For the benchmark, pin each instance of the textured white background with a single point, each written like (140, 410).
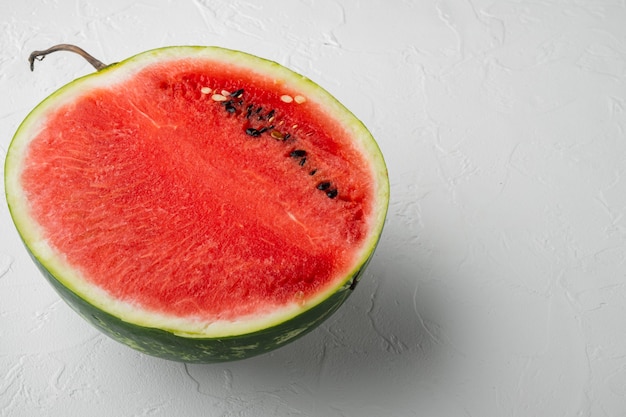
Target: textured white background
(499, 285)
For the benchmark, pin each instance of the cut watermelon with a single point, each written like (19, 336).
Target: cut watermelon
(196, 203)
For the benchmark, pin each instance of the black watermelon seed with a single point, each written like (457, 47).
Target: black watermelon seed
(249, 111)
(270, 114)
(332, 193)
(253, 132)
(230, 108)
(287, 136)
(262, 130)
(323, 185)
(313, 172)
(237, 93)
(302, 161)
(297, 153)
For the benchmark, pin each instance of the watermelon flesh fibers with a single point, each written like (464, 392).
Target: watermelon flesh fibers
(200, 191)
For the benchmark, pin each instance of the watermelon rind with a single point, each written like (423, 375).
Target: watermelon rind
(171, 337)
(169, 345)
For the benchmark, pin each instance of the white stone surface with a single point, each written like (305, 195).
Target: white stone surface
(499, 287)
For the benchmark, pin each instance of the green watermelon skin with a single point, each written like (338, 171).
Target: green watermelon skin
(169, 346)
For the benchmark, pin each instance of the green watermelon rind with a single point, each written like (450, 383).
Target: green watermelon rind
(167, 345)
(156, 336)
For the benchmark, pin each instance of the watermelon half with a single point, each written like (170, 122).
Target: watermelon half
(198, 204)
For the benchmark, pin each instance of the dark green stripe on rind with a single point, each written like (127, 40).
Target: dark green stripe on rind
(166, 345)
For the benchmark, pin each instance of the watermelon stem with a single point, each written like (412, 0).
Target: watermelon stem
(39, 55)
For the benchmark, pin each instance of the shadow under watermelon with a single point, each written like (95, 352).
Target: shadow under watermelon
(383, 340)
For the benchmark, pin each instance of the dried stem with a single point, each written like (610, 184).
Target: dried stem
(39, 55)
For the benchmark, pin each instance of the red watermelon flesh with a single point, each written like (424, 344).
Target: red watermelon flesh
(171, 193)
